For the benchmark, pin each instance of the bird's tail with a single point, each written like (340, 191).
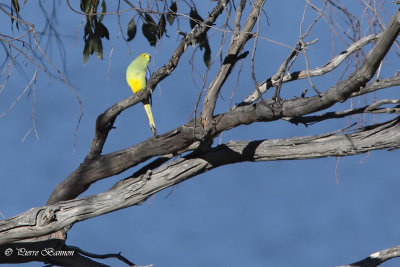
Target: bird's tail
(149, 114)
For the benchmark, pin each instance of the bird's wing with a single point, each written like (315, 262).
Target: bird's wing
(147, 75)
(147, 79)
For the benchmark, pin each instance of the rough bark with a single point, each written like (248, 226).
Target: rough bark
(134, 190)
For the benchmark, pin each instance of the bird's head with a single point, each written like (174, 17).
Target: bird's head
(140, 62)
(146, 56)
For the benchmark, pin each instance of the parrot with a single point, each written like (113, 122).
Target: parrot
(136, 77)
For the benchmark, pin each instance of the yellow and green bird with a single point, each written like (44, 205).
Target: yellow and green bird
(136, 76)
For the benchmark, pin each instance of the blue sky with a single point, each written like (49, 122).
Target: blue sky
(285, 213)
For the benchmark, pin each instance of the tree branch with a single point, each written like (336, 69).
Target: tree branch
(52, 251)
(236, 45)
(304, 74)
(377, 85)
(373, 108)
(376, 258)
(269, 109)
(133, 191)
(238, 16)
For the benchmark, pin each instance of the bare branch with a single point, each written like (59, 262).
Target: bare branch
(106, 256)
(56, 252)
(376, 258)
(269, 110)
(236, 45)
(133, 191)
(378, 85)
(373, 109)
(238, 16)
(331, 65)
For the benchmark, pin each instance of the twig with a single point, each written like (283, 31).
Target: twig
(373, 109)
(253, 54)
(319, 71)
(106, 256)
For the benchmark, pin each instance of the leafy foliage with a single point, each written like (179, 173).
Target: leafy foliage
(150, 30)
(153, 31)
(94, 29)
(14, 7)
(196, 19)
(131, 29)
(171, 13)
(161, 27)
(153, 28)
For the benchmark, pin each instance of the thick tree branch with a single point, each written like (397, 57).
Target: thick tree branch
(133, 191)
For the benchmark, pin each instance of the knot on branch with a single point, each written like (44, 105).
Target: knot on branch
(47, 216)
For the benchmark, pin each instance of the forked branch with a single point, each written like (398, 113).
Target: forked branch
(135, 190)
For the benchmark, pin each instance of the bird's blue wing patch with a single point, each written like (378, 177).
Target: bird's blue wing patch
(147, 75)
(147, 79)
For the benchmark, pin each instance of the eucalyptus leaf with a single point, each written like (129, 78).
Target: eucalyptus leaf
(103, 10)
(172, 13)
(150, 29)
(99, 48)
(131, 29)
(161, 27)
(150, 33)
(102, 30)
(195, 18)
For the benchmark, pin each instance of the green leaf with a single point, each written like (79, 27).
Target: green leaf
(102, 30)
(172, 13)
(207, 53)
(99, 48)
(92, 45)
(86, 51)
(149, 33)
(131, 29)
(89, 6)
(16, 6)
(195, 18)
(86, 5)
(161, 27)
(103, 10)
(150, 20)
(87, 29)
(149, 30)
